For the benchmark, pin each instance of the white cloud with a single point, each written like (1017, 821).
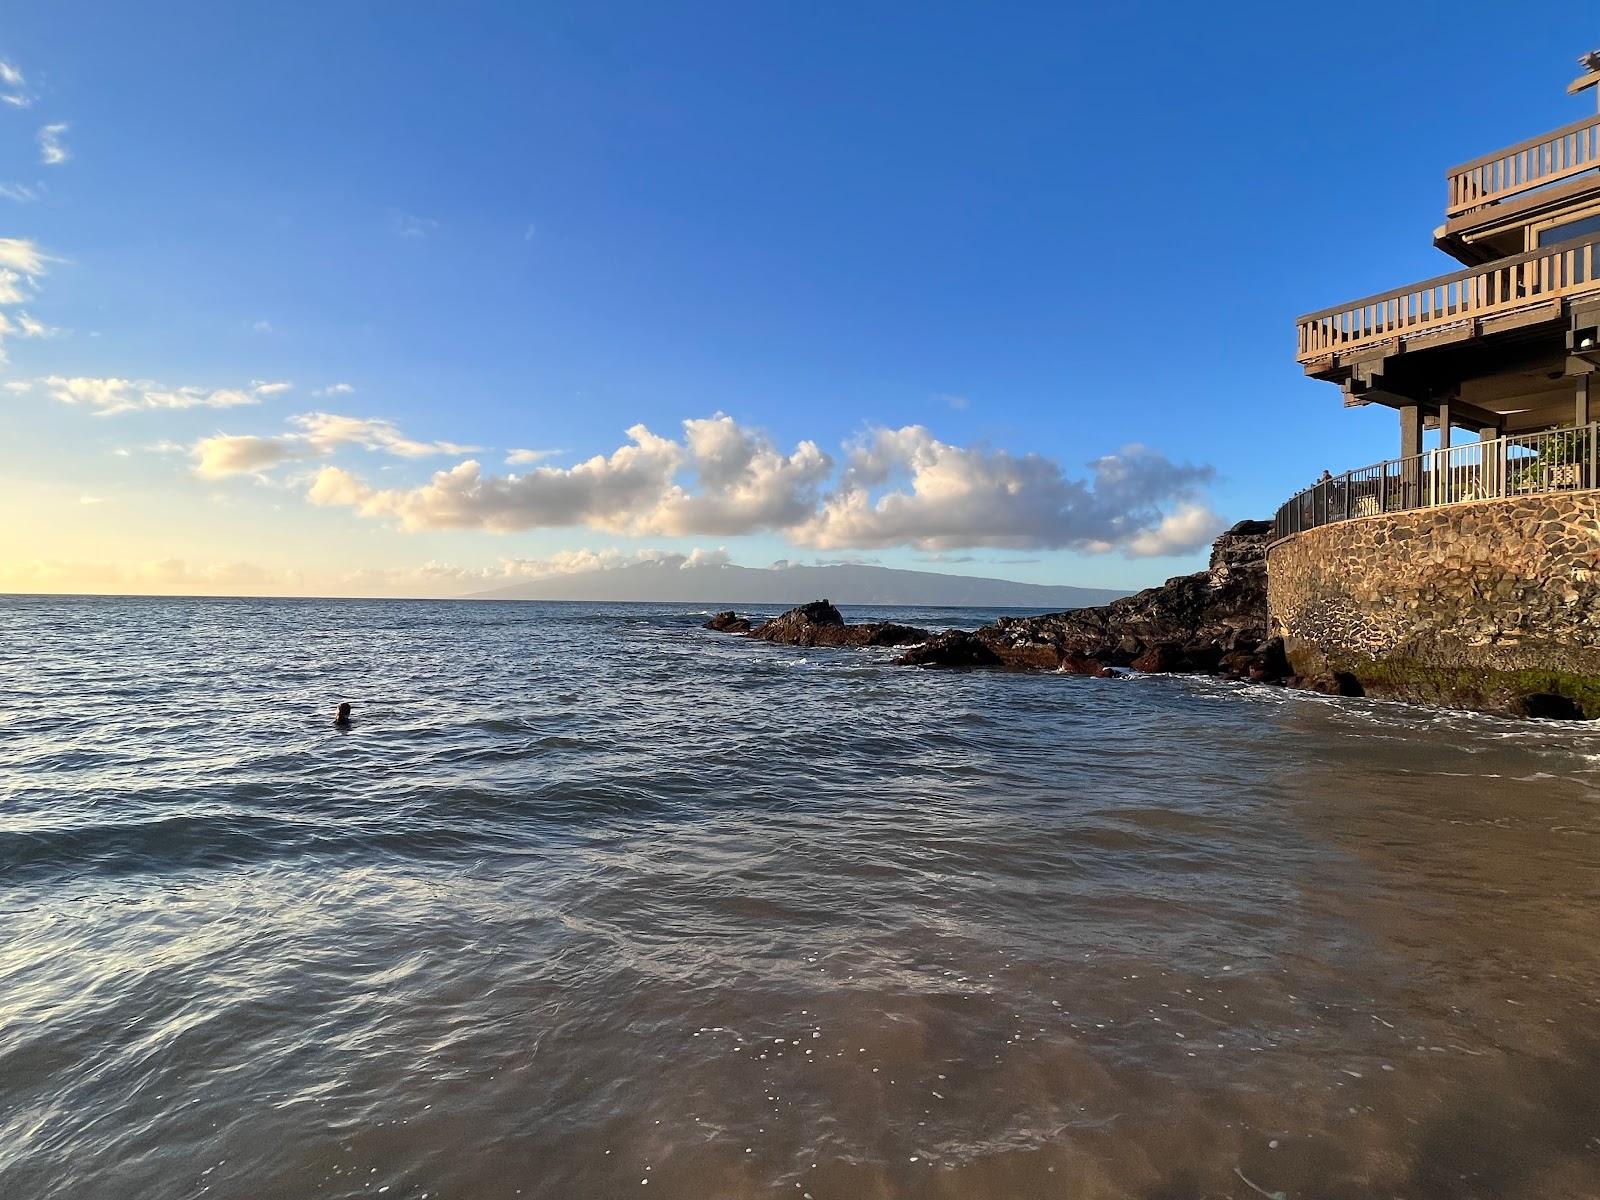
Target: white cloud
(1185, 529)
(21, 265)
(743, 484)
(262, 326)
(20, 254)
(957, 403)
(327, 430)
(262, 387)
(905, 487)
(111, 396)
(899, 487)
(240, 454)
(13, 88)
(603, 493)
(23, 325)
(317, 435)
(20, 192)
(29, 327)
(526, 458)
(334, 389)
(701, 557)
(51, 152)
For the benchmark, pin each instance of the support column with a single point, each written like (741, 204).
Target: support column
(1588, 454)
(1444, 425)
(1410, 446)
(1410, 430)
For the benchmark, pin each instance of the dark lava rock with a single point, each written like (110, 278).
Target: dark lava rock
(885, 633)
(1212, 621)
(1269, 664)
(954, 648)
(1160, 659)
(821, 624)
(1079, 664)
(728, 622)
(1189, 623)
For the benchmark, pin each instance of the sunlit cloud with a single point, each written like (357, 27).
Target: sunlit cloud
(316, 435)
(110, 396)
(526, 458)
(22, 264)
(899, 487)
(1187, 528)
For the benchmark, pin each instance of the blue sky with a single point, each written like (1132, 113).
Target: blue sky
(1054, 230)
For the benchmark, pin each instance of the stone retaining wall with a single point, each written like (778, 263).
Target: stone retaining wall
(1490, 605)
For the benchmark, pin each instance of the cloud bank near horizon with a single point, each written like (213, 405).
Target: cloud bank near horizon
(892, 487)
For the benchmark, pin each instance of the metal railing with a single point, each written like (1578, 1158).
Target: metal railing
(1535, 163)
(1497, 288)
(1520, 464)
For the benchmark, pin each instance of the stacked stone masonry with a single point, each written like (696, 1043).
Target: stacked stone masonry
(1489, 605)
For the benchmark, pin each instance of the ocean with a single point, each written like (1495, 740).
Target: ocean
(590, 902)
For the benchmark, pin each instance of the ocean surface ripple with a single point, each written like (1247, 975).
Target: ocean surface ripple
(590, 902)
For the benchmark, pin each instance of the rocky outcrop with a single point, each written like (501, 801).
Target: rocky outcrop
(953, 648)
(1214, 621)
(728, 622)
(821, 624)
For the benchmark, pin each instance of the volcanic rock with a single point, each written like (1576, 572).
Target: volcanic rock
(953, 648)
(1079, 664)
(1190, 623)
(1161, 659)
(728, 622)
(821, 624)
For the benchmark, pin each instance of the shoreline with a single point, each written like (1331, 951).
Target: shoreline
(1214, 623)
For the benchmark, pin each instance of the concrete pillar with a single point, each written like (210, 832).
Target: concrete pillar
(1410, 445)
(1444, 425)
(1581, 409)
(1410, 430)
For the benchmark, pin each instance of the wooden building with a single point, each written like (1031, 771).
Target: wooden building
(1509, 343)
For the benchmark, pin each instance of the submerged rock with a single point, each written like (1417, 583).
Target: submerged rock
(728, 622)
(821, 624)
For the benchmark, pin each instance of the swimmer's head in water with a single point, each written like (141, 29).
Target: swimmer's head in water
(344, 712)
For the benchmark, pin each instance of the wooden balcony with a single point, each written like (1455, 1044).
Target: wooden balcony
(1460, 305)
(1525, 167)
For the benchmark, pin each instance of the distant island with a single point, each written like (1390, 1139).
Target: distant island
(677, 579)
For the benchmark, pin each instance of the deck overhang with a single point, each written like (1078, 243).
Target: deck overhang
(1504, 341)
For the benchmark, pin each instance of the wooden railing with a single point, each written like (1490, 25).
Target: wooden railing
(1503, 286)
(1519, 464)
(1568, 151)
